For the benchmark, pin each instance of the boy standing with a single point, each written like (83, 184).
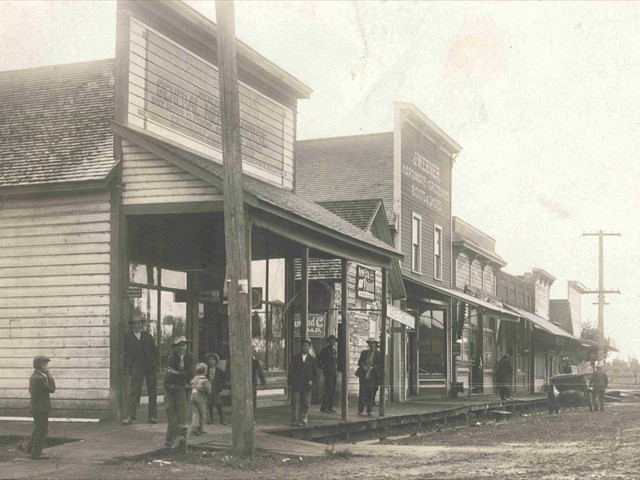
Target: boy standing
(217, 378)
(41, 384)
(302, 373)
(200, 391)
(177, 384)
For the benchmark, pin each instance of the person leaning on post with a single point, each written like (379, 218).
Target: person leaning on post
(41, 385)
(302, 372)
(177, 386)
(140, 363)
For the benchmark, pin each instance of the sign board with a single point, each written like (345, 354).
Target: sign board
(174, 94)
(456, 349)
(316, 325)
(133, 292)
(209, 296)
(365, 283)
(405, 318)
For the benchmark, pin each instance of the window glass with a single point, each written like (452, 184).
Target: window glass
(415, 244)
(147, 306)
(144, 274)
(432, 344)
(172, 324)
(267, 326)
(174, 279)
(437, 252)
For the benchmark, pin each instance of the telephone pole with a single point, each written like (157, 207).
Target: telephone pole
(601, 291)
(236, 234)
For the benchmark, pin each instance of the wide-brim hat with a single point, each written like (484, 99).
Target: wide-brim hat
(137, 317)
(306, 340)
(373, 340)
(212, 355)
(179, 340)
(332, 337)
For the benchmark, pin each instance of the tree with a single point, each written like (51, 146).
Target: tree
(589, 332)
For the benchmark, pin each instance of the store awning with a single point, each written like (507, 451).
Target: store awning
(498, 310)
(543, 324)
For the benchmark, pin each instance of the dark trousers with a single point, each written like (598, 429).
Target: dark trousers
(175, 405)
(39, 435)
(598, 400)
(214, 400)
(366, 392)
(329, 392)
(504, 391)
(138, 376)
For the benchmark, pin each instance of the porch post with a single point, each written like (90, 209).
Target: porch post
(383, 344)
(304, 301)
(347, 341)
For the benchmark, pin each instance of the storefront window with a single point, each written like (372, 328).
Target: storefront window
(173, 279)
(489, 342)
(143, 274)
(267, 335)
(432, 342)
(167, 319)
(147, 306)
(173, 323)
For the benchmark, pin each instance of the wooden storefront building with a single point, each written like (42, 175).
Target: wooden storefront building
(112, 205)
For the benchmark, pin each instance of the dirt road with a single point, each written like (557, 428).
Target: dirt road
(575, 444)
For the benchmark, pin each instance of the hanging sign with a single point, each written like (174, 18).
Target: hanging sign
(365, 283)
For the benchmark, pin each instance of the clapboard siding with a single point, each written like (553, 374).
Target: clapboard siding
(150, 180)
(54, 299)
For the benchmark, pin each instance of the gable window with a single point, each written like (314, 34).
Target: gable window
(437, 252)
(416, 243)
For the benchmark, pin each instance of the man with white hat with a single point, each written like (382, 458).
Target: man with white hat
(369, 372)
(177, 384)
(140, 363)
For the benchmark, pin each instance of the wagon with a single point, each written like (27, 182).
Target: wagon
(573, 389)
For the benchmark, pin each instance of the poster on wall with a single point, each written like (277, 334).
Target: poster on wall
(316, 325)
(365, 283)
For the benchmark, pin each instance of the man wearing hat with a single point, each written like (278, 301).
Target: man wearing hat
(177, 385)
(41, 384)
(140, 363)
(302, 372)
(328, 358)
(369, 374)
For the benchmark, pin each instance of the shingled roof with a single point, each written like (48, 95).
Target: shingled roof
(55, 124)
(351, 168)
(357, 212)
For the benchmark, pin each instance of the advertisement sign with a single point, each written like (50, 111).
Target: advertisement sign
(174, 94)
(316, 325)
(365, 283)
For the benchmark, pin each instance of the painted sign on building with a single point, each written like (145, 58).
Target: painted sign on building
(174, 94)
(316, 325)
(365, 283)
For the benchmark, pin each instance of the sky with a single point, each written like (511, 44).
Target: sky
(543, 97)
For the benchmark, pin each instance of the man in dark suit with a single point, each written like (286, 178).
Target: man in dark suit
(302, 372)
(369, 373)
(41, 384)
(328, 358)
(140, 363)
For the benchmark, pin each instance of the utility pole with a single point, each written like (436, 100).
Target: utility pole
(236, 235)
(601, 291)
